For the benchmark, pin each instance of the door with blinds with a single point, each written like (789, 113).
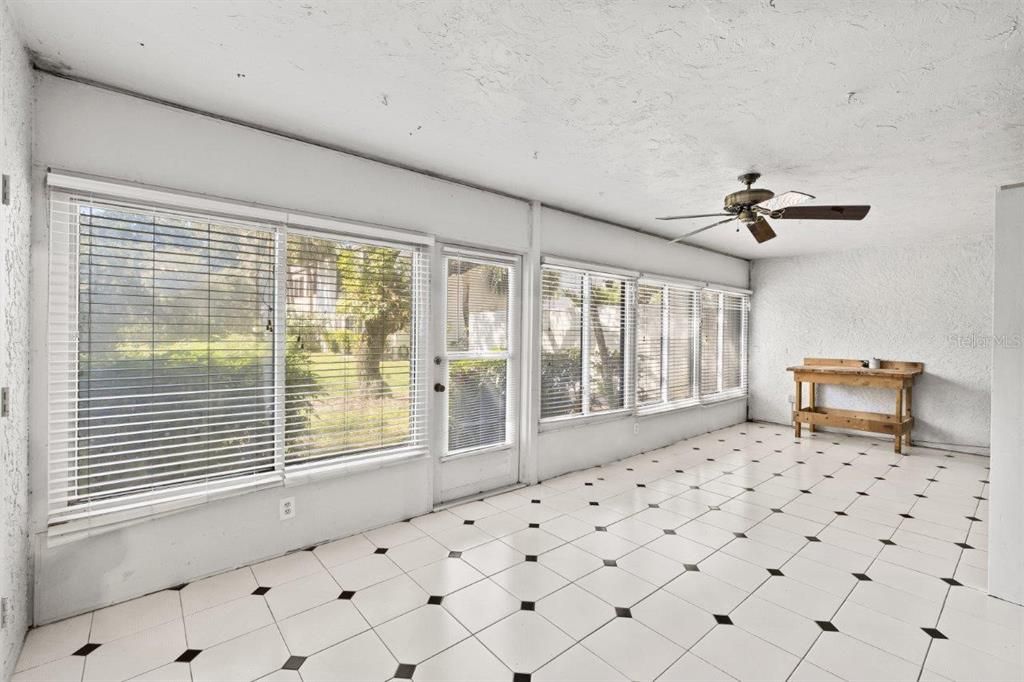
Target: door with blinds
(476, 372)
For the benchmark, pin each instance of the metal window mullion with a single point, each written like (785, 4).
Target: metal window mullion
(665, 304)
(585, 355)
(280, 334)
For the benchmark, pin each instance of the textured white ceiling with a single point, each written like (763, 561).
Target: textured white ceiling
(621, 110)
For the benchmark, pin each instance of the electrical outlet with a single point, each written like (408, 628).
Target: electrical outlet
(3, 612)
(287, 510)
(636, 428)
(5, 190)
(5, 399)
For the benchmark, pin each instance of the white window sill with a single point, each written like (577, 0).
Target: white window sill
(571, 421)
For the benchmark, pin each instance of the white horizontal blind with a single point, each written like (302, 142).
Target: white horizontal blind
(667, 316)
(480, 300)
(562, 339)
(161, 356)
(193, 356)
(586, 344)
(723, 352)
(354, 375)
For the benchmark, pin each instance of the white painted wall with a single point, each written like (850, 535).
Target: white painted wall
(90, 130)
(15, 147)
(1006, 495)
(930, 303)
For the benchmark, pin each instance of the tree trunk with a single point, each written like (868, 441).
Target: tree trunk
(607, 372)
(373, 356)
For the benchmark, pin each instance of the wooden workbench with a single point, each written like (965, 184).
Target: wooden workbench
(844, 372)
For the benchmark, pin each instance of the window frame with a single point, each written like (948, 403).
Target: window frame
(62, 521)
(741, 391)
(588, 273)
(664, 403)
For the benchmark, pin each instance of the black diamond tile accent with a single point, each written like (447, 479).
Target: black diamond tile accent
(527, 606)
(435, 599)
(894, 466)
(776, 474)
(740, 535)
(534, 501)
(963, 545)
(654, 461)
(347, 594)
(879, 478)
(711, 459)
(775, 572)
(714, 508)
(600, 529)
(468, 522)
(812, 538)
(906, 516)
(920, 495)
(520, 677)
(178, 588)
(829, 476)
(696, 448)
(641, 485)
(381, 550)
(610, 562)
(776, 511)
(405, 671)
(862, 576)
(826, 626)
(653, 505)
(723, 620)
(692, 567)
(727, 473)
(861, 492)
(600, 478)
(934, 634)
(952, 581)
(749, 490)
(188, 655)
(669, 531)
(534, 525)
(588, 483)
(629, 468)
(86, 649)
(979, 497)
(756, 461)
(806, 492)
(942, 466)
(841, 513)
(885, 541)
(933, 480)
(621, 612)
(679, 471)
(593, 504)
(261, 590)
(454, 554)
(532, 558)
(694, 487)
(972, 518)
(799, 461)
(293, 663)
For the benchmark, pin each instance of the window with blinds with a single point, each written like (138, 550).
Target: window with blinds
(666, 349)
(479, 304)
(723, 344)
(193, 355)
(586, 342)
(351, 370)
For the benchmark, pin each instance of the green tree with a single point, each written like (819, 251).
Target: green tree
(375, 285)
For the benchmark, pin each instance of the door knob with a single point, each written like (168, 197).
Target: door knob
(439, 388)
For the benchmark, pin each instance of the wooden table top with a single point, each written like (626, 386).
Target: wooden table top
(855, 371)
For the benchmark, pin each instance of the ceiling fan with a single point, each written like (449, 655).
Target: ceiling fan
(750, 206)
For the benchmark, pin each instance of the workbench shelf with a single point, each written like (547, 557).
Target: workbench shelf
(893, 374)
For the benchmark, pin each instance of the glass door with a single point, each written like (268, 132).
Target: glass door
(476, 372)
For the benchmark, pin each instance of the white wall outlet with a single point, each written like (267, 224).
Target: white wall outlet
(287, 508)
(636, 428)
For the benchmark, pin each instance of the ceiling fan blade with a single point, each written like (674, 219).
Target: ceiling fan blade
(684, 217)
(761, 230)
(706, 227)
(823, 213)
(785, 200)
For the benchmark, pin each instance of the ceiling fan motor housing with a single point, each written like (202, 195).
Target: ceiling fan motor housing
(745, 198)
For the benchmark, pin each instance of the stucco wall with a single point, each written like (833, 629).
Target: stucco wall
(931, 303)
(15, 145)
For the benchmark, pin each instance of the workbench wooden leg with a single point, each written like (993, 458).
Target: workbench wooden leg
(899, 422)
(910, 411)
(797, 406)
(813, 398)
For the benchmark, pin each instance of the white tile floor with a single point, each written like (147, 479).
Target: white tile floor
(739, 554)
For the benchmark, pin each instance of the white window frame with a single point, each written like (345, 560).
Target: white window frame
(742, 391)
(629, 278)
(64, 527)
(664, 404)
